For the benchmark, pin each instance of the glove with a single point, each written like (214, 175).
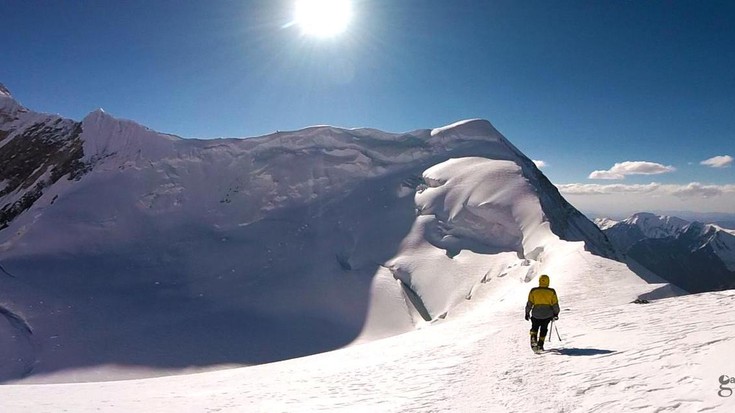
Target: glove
(556, 317)
(527, 317)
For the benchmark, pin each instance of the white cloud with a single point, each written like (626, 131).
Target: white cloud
(722, 161)
(621, 169)
(598, 189)
(605, 175)
(622, 200)
(693, 189)
(540, 164)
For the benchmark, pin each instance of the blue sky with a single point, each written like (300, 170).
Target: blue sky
(581, 85)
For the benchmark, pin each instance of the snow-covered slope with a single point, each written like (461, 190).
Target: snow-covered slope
(698, 257)
(140, 253)
(604, 223)
(655, 226)
(613, 356)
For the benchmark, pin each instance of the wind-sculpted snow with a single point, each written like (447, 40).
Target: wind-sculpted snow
(473, 211)
(123, 141)
(486, 201)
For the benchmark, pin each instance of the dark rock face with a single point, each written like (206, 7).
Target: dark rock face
(672, 258)
(36, 151)
(34, 158)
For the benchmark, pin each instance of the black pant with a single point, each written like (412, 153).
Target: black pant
(542, 323)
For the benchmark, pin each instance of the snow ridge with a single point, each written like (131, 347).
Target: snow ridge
(270, 247)
(605, 223)
(655, 226)
(4, 92)
(9, 108)
(105, 136)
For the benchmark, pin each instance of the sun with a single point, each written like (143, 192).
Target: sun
(323, 18)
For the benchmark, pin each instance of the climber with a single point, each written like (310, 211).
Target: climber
(541, 308)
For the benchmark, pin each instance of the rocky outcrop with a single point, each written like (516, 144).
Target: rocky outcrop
(34, 157)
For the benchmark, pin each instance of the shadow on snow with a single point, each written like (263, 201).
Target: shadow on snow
(571, 351)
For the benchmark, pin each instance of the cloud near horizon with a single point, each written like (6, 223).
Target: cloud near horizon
(722, 161)
(691, 190)
(540, 164)
(621, 169)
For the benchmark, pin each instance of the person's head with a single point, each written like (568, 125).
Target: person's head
(543, 281)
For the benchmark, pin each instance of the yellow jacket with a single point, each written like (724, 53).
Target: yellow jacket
(542, 300)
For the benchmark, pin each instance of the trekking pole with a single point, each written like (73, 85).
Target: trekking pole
(557, 332)
(552, 330)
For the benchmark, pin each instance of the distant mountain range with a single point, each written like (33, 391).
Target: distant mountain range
(695, 256)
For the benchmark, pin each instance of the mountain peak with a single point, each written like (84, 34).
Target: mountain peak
(481, 127)
(657, 226)
(8, 105)
(4, 92)
(96, 115)
(605, 223)
(104, 135)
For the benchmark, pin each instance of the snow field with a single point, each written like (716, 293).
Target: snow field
(662, 356)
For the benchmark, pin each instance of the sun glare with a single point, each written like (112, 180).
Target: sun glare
(323, 18)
